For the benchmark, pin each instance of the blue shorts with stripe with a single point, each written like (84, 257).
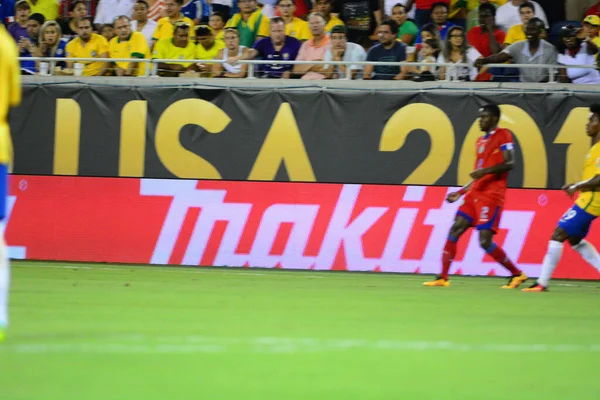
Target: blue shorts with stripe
(576, 222)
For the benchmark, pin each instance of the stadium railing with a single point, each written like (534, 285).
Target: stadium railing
(152, 64)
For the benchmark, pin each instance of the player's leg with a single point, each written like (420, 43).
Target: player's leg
(460, 226)
(587, 251)
(4, 284)
(551, 259)
(486, 241)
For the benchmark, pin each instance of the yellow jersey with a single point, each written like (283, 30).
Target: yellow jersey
(333, 21)
(10, 90)
(210, 54)
(164, 28)
(48, 8)
(96, 47)
(220, 36)
(515, 34)
(165, 49)
(589, 201)
(255, 26)
(298, 29)
(134, 47)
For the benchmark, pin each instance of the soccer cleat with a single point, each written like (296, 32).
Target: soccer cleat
(515, 281)
(438, 282)
(536, 288)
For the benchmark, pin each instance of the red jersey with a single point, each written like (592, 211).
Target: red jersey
(481, 40)
(489, 150)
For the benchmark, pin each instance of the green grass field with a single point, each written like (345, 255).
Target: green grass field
(120, 332)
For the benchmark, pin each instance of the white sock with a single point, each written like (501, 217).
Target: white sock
(550, 260)
(589, 253)
(4, 283)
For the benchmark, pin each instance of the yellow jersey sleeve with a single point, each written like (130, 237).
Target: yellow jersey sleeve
(263, 29)
(515, 34)
(159, 51)
(70, 48)
(102, 45)
(139, 46)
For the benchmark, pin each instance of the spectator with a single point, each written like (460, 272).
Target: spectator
(30, 44)
(250, 23)
(313, 49)
(194, 10)
(232, 52)
(473, 10)
(360, 16)
(389, 4)
(576, 51)
(207, 49)
(128, 44)
(439, 15)
(178, 47)
(77, 9)
(223, 7)
(424, 9)
(156, 10)
(487, 38)
(407, 30)
(165, 26)
(341, 50)
(18, 29)
(532, 51)
(458, 51)
(430, 31)
(34, 23)
(7, 12)
(508, 14)
(388, 49)
(48, 8)
(324, 7)
(429, 53)
(594, 10)
(516, 33)
(591, 27)
(457, 13)
(294, 26)
(88, 45)
(50, 43)
(277, 47)
(141, 23)
(108, 10)
(108, 31)
(217, 23)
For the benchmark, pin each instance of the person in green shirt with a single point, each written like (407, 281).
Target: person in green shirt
(250, 22)
(407, 30)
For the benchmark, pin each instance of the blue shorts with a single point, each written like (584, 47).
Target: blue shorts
(576, 222)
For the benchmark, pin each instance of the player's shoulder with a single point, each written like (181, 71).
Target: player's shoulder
(504, 132)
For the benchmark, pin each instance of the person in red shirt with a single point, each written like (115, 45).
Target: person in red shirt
(423, 11)
(487, 38)
(593, 10)
(484, 200)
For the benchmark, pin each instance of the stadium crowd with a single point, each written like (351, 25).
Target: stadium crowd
(468, 33)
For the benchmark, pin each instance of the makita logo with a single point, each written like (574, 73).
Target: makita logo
(338, 226)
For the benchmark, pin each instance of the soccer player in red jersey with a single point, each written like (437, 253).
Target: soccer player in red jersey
(484, 200)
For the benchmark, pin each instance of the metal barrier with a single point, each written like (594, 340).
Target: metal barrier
(152, 64)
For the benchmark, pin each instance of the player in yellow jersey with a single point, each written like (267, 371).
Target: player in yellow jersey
(10, 96)
(575, 223)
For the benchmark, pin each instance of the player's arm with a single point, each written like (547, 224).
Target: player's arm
(452, 197)
(508, 152)
(583, 186)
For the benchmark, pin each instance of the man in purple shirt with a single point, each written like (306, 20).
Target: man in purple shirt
(276, 47)
(18, 29)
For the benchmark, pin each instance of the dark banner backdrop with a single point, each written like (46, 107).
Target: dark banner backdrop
(422, 138)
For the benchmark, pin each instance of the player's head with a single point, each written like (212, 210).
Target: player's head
(593, 125)
(489, 116)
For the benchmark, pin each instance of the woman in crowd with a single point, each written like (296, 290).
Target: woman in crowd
(457, 51)
(407, 30)
(232, 49)
(50, 43)
(573, 50)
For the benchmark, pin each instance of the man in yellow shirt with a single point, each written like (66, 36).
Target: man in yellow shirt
(294, 26)
(165, 26)
(128, 44)
(179, 47)
(207, 49)
(250, 22)
(48, 8)
(10, 96)
(591, 27)
(324, 7)
(516, 33)
(575, 223)
(88, 45)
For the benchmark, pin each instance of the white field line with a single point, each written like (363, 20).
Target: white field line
(139, 344)
(299, 274)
